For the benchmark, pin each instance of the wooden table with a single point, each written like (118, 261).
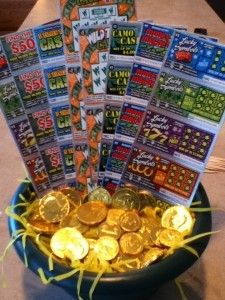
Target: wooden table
(206, 278)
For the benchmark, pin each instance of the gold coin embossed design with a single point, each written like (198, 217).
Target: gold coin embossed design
(54, 207)
(151, 256)
(126, 198)
(131, 243)
(170, 237)
(71, 221)
(41, 226)
(154, 235)
(130, 221)
(100, 194)
(146, 197)
(92, 213)
(73, 195)
(68, 242)
(106, 229)
(178, 218)
(106, 247)
(113, 216)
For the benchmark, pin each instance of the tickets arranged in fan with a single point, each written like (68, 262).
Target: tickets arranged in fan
(110, 101)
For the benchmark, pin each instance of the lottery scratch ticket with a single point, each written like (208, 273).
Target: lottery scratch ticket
(118, 74)
(67, 154)
(78, 118)
(123, 40)
(94, 43)
(175, 137)
(166, 177)
(43, 126)
(188, 99)
(20, 50)
(105, 148)
(56, 83)
(49, 42)
(198, 58)
(141, 83)
(110, 184)
(62, 121)
(75, 14)
(10, 101)
(94, 120)
(4, 67)
(130, 119)
(110, 118)
(38, 174)
(24, 137)
(31, 87)
(53, 162)
(83, 170)
(153, 44)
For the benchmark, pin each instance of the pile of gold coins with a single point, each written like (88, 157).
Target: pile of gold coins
(123, 230)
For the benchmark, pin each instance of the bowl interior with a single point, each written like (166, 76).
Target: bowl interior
(122, 284)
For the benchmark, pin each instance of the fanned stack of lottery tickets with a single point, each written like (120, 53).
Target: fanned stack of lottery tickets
(101, 99)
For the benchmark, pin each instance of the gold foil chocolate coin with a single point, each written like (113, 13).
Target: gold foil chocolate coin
(178, 218)
(131, 243)
(73, 195)
(170, 237)
(100, 194)
(126, 198)
(42, 227)
(71, 221)
(68, 242)
(92, 213)
(106, 247)
(113, 216)
(109, 230)
(151, 256)
(54, 206)
(130, 221)
(154, 235)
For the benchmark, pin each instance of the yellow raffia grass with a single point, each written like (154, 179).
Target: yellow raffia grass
(179, 286)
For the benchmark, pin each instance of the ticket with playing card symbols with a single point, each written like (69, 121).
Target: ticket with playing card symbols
(56, 83)
(49, 42)
(43, 125)
(83, 169)
(67, 154)
(94, 46)
(78, 120)
(161, 174)
(75, 14)
(31, 87)
(4, 66)
(10, 101)
(118, 74)
(153, 44)
(20, 50)
(94, 119)
(38, 174)
(53, 163)
(124, 38)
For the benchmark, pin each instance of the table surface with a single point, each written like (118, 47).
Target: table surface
(205, 279)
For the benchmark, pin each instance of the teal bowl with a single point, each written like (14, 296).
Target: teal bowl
(136, 284)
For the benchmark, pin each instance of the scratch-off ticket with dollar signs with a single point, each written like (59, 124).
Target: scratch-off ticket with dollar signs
(75, 14)
(20, 49)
